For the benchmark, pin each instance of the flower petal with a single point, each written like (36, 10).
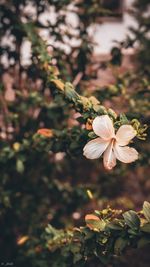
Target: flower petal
(109, 158)
(125, 154)
(103, 127)
(94, 148)
(125, 134)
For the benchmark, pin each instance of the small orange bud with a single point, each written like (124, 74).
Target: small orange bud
(22, 240)
(91, 217)
(88, 124)
(90, 221)
(45, 132)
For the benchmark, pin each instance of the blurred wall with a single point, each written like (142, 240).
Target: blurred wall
(106, 33)
(102, 34)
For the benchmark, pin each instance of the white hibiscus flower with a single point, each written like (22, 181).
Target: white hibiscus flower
(114, 146)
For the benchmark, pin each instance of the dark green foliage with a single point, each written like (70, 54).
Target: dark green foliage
(74, 247)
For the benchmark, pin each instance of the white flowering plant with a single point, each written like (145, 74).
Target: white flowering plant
(53, 131)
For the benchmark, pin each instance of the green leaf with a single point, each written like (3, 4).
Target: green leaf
(19, 166)
(77, 257)
(132, 231)
(143, 242)
(114, 226)
(131, 219)
(96, 225)
(88, 234)
(92, 135)
(146, 228)
(70, 92)
(120, 244)
(75, 248)
(104, 240)
(123, 119)
(146, 210)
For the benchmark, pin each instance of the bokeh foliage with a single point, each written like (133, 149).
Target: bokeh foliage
(107, 234)
(45, 180)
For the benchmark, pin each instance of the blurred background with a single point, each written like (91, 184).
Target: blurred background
(102, 47)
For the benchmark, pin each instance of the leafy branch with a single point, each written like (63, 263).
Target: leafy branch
(89, 107)
(108, 234)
